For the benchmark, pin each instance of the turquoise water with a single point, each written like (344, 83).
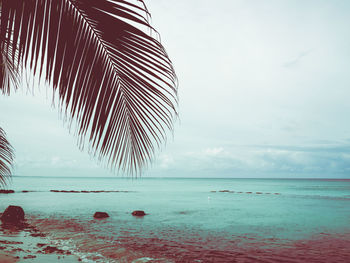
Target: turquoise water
(185, 218)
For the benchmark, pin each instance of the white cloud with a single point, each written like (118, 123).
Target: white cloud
(214, 151)
(165, 161)
(263, 161)
(55, 160)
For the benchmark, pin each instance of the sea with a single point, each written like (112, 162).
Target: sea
(190, 219)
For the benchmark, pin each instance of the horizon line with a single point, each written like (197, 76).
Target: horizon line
(176, 177)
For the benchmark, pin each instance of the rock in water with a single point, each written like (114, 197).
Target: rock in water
(7, 191)
(138, 213)
(13, 214)
(101, 215)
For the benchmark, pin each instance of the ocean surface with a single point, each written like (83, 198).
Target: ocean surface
(191, 220)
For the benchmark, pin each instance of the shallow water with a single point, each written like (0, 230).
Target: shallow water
(187, 222)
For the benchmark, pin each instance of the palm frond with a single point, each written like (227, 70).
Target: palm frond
(9, 75)
(110, 73)
(6, 158)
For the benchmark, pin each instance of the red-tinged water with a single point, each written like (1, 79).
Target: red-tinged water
(194, 247)
(320, 249)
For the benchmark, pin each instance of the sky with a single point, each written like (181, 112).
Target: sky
(263, 92)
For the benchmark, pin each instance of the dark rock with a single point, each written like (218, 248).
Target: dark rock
(29, 257)
(41, 244)
(101, 215)
(138, 213)
(37, 235)
(10, 242)
(6, 191)
(248, 192)
(12, 214)
(224, 191)
(258, 193)
(50, 250)
(25, 191)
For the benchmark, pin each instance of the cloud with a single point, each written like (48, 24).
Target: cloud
(213, 151)
(165, 161)
(263, 161)
(296, 60)
(55, 160)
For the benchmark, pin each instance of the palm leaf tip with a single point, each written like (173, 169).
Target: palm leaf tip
(9, 71)
(111, 74)
(6, 158)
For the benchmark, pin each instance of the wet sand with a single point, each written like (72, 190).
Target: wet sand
(7, 258)
(19, 244)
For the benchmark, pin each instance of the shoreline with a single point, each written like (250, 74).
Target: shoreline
(18, 243)
(28, 244)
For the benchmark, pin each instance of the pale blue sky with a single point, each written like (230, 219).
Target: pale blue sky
(263, 87)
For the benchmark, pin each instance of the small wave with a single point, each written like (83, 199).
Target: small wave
(327, 197)
(64, 191)
(241, 192)
(87, 192)
(345, 197)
